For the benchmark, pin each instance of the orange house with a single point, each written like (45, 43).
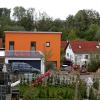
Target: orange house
(36, 46)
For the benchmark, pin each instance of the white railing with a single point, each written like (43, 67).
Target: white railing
(14, 53)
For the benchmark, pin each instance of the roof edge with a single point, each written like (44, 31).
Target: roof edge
(34, 32)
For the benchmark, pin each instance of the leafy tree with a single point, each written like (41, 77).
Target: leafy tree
(69, 23)
(72, 35)
(19, 13)
(13, 28)
(5, 12)
(58, 25)
(94, 63)
(27, 23)
(64, 36)
(93, 17)
(44, 23)
(97, 35)
(4, 19)
(90, 33)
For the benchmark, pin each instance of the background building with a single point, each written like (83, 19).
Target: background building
(80, 52)
(33, 47)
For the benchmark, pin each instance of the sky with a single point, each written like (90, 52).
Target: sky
(54, 8)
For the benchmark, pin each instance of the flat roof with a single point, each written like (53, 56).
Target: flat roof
(33, 32)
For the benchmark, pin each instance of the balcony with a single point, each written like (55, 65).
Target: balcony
(24, 54)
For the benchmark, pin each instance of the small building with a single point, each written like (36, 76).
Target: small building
(80, 51)
(33, 47)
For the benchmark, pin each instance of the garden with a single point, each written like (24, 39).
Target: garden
(55, 92)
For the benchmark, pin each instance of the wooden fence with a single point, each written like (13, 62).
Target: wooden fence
(56, 78)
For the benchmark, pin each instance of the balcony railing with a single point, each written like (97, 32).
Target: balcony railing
(27, 54)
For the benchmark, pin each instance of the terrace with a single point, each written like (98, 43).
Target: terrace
(25, 54)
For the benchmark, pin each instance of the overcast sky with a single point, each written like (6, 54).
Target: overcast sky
(54, 8)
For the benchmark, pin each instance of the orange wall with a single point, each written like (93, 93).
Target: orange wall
(23, 42)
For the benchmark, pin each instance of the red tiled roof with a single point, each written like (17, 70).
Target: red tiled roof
(85, 46)
(64, 44)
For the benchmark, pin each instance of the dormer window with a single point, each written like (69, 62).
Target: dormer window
(68, 54)
(97, 47)
(79, 46)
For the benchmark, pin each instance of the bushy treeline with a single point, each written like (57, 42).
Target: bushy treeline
(85, 24)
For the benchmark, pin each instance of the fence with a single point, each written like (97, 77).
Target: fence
(5, 88)
(54, 79)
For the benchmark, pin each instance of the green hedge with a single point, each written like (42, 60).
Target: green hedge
(44, 93)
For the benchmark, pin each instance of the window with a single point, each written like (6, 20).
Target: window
(97, 47)
(11, 45)
(33, 46)
(79, 46)
(68, 54)
(47, 44)
(86, 56)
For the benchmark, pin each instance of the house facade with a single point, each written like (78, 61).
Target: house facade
(80, 52)
(33, 47)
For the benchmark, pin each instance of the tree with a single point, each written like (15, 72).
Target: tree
(4, 19)
(32, 16)
(31, 13)
(90, 33)
(47, 56)
(93, 16)
(44, 23)
(58, 25)
(81, 22)
(13, 28)
(4, 12)
(27, 23)
(19, 13)
(72, 35)
(94, 63)
(97, 35)
(69, 23)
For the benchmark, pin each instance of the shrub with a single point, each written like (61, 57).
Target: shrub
(50, 66)
(44, 93)
(93, 65)
(96, 84)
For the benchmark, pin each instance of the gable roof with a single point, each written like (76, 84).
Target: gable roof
(64, 44)
(85, 46)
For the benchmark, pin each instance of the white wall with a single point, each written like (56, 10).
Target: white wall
(76, 58)
(70, 52)
(80, 59)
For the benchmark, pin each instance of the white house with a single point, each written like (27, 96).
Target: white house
(79, 52)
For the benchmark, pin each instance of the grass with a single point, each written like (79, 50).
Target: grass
(47, 92)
